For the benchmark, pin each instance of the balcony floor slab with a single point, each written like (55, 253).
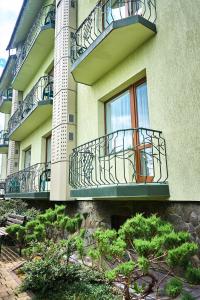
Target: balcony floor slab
(36, 117)
(41, 48)
(140, 191)
(30, 195)
(3, 149)
(113, 45)
(5, 106)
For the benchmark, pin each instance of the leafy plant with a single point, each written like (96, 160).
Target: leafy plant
(173, 287)
(18, 207)
(81, 291)
(193, 275)
(141, 246)
(52, 225)
(187, 296)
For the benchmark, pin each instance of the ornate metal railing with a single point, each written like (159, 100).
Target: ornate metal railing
(104, 13)
(123, 157)
(2, 187)
(30, 180)
(4, 137)
(6, 95)
(42, 91)
(45, 17)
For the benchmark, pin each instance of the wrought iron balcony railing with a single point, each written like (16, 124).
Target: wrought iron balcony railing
(46, 17)
(2, 184)
(4, 139)
(125, 156)
(30, 180)
(104, 13)
(6, 95)
(42, 91)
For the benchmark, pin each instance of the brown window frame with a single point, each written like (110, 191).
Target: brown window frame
(134, 123)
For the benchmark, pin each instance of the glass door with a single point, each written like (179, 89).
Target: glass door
(27, 158)
(142, 140)
(48, 149)
(130, 110)
(118, 118)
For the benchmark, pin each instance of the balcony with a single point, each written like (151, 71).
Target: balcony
(126, 164)
(2, 188)
(6, 101)
(36, 47)
(30, 183)
(4, 142)
(111, 32)
(34, 110)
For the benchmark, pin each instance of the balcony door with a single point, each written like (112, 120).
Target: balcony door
(130, 110)
(27, 158)
(48, 149)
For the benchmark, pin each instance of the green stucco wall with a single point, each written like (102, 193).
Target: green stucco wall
(43, 70)
(36, 140)
(171, 63)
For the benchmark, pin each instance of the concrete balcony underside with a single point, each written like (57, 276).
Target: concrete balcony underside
(36, 117)
(3, 148)
(113, 45)
(29, 195)
(123, 192)
(5, 106)
(38, 53)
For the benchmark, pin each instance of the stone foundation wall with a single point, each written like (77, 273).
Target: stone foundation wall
(183, 215)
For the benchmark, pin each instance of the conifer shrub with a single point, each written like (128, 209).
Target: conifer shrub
(193, 275)
(139, 249)
(173, 288)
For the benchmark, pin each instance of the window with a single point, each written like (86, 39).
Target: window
(27, 158)
(115, 10)
(130, 110)
(48, 149)
(118, 117)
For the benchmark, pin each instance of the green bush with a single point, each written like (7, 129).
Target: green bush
(18, 207)
(44, 274)
(193, 275)
(81, 291)
(187, 296)
(52, 225)
(173, 287)
(136, 249)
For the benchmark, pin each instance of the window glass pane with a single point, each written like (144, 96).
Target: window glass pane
(135, 8)
(118, 117)
(142, 106)
(114, 10)
(27, 158)
(48, 149)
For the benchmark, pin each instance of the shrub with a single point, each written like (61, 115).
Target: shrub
(52, 225)
(173, 287)
(193, 275)
(18, 207)
(187, 296)
(136, 250)
(82, 291)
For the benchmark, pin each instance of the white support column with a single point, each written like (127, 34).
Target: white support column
(64, 106)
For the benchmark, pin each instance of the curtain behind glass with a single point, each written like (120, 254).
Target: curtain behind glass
(118, 116)
(27, 159)
(146, 161)
(114, 10)
(48, 149)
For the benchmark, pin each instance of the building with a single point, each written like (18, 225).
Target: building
(117, 82)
